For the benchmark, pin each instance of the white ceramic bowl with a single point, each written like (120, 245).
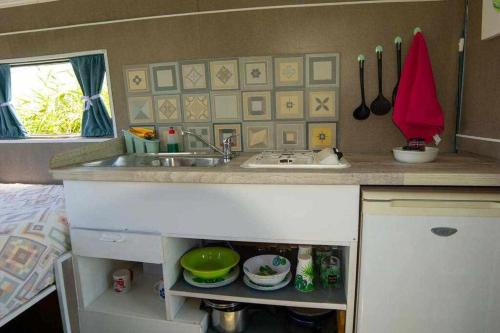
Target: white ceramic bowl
(252, 266)
(414, 156)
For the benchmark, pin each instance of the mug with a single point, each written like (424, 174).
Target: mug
(159, 289)
(122, 280)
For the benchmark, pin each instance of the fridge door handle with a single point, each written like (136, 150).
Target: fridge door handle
(444, 231)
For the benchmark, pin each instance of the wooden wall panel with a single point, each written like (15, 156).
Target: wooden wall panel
(481, 104)
(348, 30)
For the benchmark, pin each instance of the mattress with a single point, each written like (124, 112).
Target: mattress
(34, 232)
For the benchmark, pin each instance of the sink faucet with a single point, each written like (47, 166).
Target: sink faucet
(226, 144)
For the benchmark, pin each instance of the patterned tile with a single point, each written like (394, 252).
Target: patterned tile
(224, 74)
(19, 256)
(137, 79)
(289, 104)
(223, 131)
(258, 136)
(256, 73)
(322, 104)
(257, 105)
(322, 70)
(226, 106)
(168, 108)
(140, 109)
(289, 71)
(290, 136)
(321, 135)
(193, 144)
(194, 75)
(165, 78)
(196, 107)
(163, 133)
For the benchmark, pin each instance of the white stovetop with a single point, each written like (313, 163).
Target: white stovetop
(292, 160)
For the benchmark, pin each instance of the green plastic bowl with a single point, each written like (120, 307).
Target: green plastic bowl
(210, 262)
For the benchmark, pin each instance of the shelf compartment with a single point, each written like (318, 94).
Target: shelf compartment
(139, 301)
(334, 299)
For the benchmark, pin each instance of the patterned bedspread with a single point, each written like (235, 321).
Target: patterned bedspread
(33, 234)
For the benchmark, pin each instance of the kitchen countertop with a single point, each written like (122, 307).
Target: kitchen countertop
(366, 169)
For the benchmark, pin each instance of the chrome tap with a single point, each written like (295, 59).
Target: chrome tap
(226, 144)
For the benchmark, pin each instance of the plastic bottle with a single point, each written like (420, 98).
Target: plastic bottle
(172, 141)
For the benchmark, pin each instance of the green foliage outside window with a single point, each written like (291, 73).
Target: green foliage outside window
(54, 106)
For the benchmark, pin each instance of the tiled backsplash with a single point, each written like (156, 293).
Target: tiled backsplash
(272, 102)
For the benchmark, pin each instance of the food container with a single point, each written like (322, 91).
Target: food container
(415, 156)
(227, 317)
(330, 275)
(267, 269)
(122, 279)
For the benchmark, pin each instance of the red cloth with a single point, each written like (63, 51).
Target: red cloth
(417, 112)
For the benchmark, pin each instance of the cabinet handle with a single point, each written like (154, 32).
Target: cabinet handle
(115, 238)
(444, 231)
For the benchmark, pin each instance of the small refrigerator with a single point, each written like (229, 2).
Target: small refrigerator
(429, 261)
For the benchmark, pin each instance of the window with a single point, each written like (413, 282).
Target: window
(47, 98)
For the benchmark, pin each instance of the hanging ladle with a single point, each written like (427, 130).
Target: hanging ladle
(362, 112)
(381, 105)
(397, 41)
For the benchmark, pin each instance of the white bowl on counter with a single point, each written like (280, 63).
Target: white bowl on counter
(415, 156)
(279, 264)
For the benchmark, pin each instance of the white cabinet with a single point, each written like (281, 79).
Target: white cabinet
(429, 262)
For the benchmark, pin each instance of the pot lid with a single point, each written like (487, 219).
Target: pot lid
(221, 305)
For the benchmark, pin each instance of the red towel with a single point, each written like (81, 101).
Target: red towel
(417, 112)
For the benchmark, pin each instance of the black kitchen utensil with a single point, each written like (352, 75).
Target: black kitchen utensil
(362, 112)
(397, 42)
(381, 105)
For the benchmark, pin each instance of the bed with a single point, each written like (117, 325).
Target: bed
(34, 234)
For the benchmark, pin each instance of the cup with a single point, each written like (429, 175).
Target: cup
(122, 280)
(304, 278)
(305, 249)
(159, 289)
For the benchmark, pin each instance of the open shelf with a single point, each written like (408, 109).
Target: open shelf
(320, 298)
(139, 301)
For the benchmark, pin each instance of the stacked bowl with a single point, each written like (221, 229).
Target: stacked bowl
(267, 272)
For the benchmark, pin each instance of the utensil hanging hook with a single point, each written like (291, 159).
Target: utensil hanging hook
(417, 29)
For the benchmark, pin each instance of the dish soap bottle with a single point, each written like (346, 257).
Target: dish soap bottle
(172, 141)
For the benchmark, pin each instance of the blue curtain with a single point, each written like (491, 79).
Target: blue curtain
(89, 71)
(10, 126)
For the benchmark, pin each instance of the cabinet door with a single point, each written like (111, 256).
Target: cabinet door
(66, 292)
(416, 278)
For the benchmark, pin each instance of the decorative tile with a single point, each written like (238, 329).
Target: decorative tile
(194, 75)
(226, 106)
(289, 104)
(256, 73)
(137, 79)
(196, 107)
(140, 109)
(289, 71)
(168, 108)
(223, 131)
(193, 144)
(224, 74)
(257, 105)
(165, 78)
(258, 136)
(290, 136)
(322, 135)
(322, 104)
(163, 133)
(322, 70)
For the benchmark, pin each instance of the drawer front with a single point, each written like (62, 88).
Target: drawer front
(92, 322)
(117, 245)
(308, 214)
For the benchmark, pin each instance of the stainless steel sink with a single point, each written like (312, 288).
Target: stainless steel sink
(174, 160)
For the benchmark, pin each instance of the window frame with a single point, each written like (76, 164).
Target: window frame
(63, 137)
